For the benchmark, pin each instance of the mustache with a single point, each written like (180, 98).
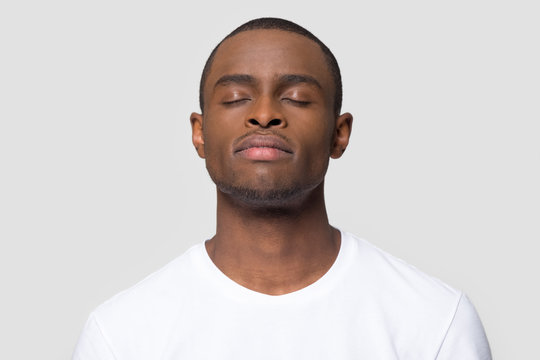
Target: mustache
(259, 132)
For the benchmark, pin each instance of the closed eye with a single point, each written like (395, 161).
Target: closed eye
(296, 102)
(237, 101)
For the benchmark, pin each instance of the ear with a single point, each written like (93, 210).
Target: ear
(197, 133)
(342, 134)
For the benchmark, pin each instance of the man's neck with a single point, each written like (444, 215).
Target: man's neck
(274, 251)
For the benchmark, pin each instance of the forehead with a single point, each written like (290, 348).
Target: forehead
(266, 54)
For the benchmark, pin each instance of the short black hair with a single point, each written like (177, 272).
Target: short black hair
(268, 23)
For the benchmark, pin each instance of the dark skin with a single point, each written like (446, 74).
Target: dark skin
(267, 132)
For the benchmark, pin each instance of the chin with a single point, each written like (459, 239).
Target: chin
(266, 191)
(270, 198)
(258, 196)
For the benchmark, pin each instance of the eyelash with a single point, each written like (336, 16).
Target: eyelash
(232, 102)
(295, 102)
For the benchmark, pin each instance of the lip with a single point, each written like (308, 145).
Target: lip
(263, 147)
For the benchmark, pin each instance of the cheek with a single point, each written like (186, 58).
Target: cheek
(215, 144)
(314, 158)
(318, 144)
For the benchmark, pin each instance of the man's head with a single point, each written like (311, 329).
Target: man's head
(284, 25)
(269, 122)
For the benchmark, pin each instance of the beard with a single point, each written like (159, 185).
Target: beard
(265, 190)
(265, 194)
(261, 197)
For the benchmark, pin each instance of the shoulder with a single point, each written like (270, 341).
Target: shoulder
(405, 300)
(391, 273)
(143, 313)
(466, 337)
(399, 289)
(155, 295)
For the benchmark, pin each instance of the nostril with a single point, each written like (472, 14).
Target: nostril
(274, 122)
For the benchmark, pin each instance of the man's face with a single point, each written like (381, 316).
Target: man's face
(268, 127)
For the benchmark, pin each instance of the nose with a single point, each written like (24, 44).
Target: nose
(265, 113)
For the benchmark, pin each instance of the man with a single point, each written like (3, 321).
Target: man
(277, 281)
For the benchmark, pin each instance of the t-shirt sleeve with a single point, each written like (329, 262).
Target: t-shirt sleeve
(92, 344)
(465, 338)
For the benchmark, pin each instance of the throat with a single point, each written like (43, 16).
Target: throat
(267, 265)
(274, 249)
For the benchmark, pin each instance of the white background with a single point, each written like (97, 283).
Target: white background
(100, 185)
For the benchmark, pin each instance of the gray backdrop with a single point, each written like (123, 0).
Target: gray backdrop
(100, 185)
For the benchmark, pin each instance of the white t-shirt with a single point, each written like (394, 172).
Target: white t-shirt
(369, 305)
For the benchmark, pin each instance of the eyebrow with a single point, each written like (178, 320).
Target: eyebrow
(250, 80)
(299, 79)
(235, 79)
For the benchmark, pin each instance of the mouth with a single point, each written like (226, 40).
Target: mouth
(263, 148)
